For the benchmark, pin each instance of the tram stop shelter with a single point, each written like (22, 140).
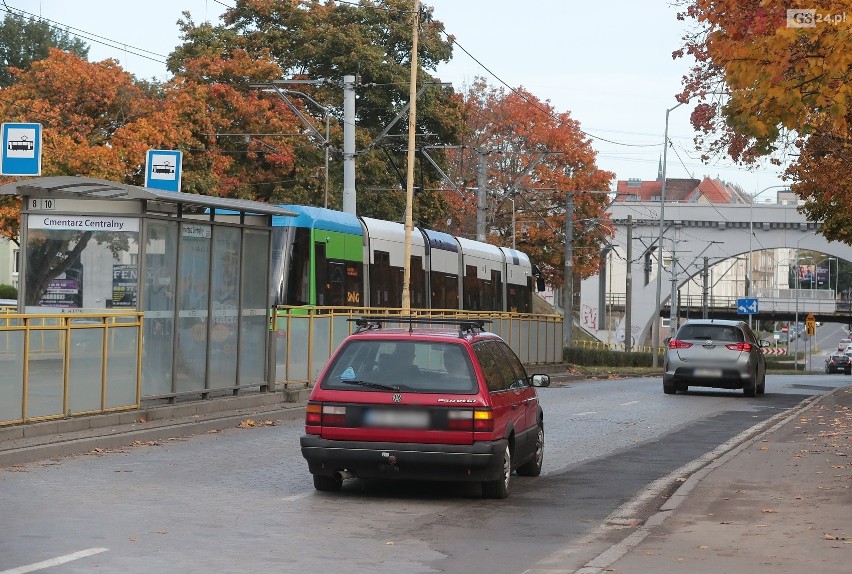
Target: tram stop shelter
(197, 266)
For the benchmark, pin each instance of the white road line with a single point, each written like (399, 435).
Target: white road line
(55, 561)
(574, 415)
(287, 499)
(630, 403)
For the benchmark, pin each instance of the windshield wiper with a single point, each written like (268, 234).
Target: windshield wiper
(370, 384)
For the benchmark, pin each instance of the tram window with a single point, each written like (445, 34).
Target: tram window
(353, 284)
(381, 280)
(299, 280)
(472, 289)
(417, 283)
(336, 286)
(445, 291)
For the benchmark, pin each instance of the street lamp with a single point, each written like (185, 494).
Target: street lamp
(656, 334)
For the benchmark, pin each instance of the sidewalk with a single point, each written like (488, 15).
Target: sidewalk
(779, 503)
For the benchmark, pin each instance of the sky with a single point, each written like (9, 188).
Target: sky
(606, 62)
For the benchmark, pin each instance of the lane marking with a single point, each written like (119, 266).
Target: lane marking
(55, 561)
(629, 403)
(574, 415)
(287, 499)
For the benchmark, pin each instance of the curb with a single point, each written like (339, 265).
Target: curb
(32, 442)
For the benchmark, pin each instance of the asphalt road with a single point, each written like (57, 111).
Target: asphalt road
(241, 500)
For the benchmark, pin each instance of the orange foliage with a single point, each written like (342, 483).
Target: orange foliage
(518, 131)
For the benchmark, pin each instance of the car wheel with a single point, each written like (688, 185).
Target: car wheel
(533, 466)
(327, 483)
(500, 488)
(669, 388)
(761, 388)
(750, 388)
(682, 387)
(848, 372)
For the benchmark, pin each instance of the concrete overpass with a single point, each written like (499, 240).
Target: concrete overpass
(693, 232)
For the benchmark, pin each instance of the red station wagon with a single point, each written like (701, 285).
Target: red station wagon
(452, 403)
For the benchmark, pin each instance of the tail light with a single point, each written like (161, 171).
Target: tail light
(483, 420)
(325, 415)
(678, 344)
(478, 420)
(743, 347)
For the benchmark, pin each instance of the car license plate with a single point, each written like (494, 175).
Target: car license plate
(396, 419)
(709, 373)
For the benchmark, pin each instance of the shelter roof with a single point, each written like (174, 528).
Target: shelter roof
(91, 188)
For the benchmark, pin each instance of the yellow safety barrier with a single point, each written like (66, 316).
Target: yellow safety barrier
(307, 336)
(56, 366)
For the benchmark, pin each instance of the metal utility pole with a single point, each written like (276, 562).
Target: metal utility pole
(349, 194)
(705, 293)
(655, 353)
(568, 287)
(628, 295)
(481, 193)
(673, 311)
(409, 178)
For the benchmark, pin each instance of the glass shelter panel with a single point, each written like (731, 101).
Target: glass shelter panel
(159, 307)
(225, 299)
(253, 329)
(81, 262)
(193, 307)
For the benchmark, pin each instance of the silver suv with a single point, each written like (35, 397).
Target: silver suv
(715, 353)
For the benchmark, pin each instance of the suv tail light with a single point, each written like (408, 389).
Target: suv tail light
(678, 344)
(743, 347)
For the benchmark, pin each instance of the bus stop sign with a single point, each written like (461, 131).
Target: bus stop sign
(21, 149)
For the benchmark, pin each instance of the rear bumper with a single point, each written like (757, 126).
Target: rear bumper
(477, 462)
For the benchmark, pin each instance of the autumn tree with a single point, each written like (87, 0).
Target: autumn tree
(535, 157)
(772, 78)
(325, 41)
(27, 40)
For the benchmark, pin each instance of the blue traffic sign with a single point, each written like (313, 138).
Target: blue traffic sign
(21, 149)
(747, 306)
(163, 169)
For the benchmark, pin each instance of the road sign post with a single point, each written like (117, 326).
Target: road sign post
(747, 306)
(163, 169)
(21, 149)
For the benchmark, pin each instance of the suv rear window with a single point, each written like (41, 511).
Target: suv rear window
(412, 366)
(725, 333)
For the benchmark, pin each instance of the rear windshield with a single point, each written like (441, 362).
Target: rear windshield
(710, 333)
(411, 366)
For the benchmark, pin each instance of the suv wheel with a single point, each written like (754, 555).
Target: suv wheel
(533, 466)
(500, 488)
(669, 388)
(327, 483)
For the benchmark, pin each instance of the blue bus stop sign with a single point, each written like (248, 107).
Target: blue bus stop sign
(21, 149)
(747, 306)
(163, 169)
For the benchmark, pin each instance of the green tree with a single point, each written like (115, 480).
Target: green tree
(27, 40)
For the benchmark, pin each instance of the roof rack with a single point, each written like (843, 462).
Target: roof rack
(465, 325)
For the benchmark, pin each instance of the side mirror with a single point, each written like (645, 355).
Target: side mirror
(540, 380)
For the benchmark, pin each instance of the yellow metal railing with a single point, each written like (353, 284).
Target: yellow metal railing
(54, 366)
(307, 336)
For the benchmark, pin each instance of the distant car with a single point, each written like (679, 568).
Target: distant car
(715, 353)
(843, 343)
(452, 403)
(837, 362)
